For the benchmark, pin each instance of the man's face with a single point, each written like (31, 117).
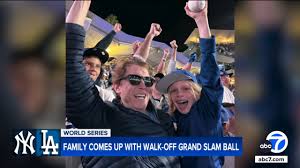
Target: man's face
(225, 80)
(182, 95)
(93, 67)
(135, 97)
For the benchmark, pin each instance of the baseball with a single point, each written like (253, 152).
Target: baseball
(196, 5)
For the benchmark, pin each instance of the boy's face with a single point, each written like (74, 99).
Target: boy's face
(92, 66)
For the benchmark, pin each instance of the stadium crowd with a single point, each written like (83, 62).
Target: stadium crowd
(131, 98)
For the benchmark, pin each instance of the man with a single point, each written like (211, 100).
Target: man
(131, 113)
(229, 161)
(94, 58)
(159, 100)
(228, 101)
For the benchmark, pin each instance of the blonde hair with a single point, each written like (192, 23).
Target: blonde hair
(121, 66)
(196, 89)
(120, 69)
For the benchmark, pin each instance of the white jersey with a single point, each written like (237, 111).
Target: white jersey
(105, 94)
(228, 96)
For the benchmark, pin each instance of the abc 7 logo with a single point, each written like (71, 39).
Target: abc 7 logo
(265, 147)
(276, 142)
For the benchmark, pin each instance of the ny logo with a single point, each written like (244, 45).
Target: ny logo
(48, 143)
(20, 139)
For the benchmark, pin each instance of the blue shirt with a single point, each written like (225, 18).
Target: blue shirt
(204, 117)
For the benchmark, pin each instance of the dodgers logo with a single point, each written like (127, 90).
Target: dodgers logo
(278, 140)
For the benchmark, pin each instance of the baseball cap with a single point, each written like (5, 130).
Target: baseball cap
(178, 75)
(222, 70)
(159, 75)
(98, 52)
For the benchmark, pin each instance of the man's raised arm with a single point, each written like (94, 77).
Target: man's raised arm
(78, 12)
(84, 107)
(144, 49)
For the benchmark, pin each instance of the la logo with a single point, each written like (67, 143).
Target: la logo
(48, 143)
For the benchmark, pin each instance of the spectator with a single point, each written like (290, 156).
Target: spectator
(228, 101)
(161, 66)
(188, 65)
(196, 110)
(93, 61)
(131, 114)
(94, 58)
(172, 63)
(159, 100)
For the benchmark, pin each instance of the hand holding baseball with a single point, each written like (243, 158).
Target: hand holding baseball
(196, 5)
(197, 14)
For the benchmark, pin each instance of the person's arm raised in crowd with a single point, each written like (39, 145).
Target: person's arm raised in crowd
(188, 65)
(201, 21)
(143, 51)
(84, 107)
(106, 41)
(209, 77)
(78, 12)
(161, 65)
(135, 46)
(172, 63)
(174, 49)
(209, 69)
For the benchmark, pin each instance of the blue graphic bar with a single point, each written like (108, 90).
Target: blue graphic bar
(151, 146)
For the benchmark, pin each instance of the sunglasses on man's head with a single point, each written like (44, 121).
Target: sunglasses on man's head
(136, 80)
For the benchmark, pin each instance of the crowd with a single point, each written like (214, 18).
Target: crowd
(226, 49)
(133, 99)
